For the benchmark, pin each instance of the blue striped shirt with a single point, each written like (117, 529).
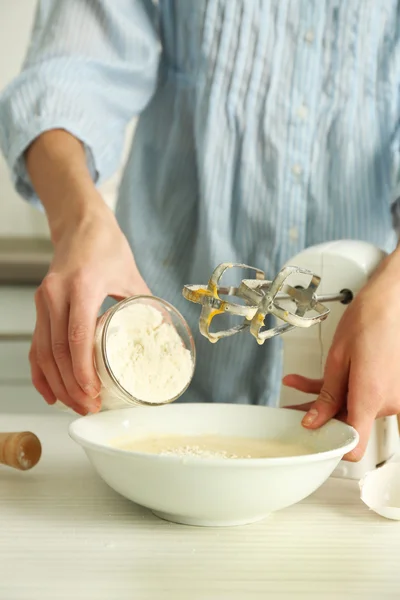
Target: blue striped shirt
(265, 126)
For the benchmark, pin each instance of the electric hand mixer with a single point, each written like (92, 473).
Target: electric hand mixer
(338, 270)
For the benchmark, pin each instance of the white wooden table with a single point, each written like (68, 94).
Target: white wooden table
(65, 535)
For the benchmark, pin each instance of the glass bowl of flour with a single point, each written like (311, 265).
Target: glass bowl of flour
(144, 353)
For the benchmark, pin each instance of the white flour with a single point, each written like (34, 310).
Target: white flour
(147, 355)
(200, 452)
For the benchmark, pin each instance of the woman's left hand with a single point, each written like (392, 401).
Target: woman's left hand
(362, 372)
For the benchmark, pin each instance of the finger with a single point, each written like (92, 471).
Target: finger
(38, 379)
(45, 358)
(81, 330)
(363, 425)
(303, 384)
(361, 408)
(302, 407)
(340, 416)
(58, 308)
(332, 396)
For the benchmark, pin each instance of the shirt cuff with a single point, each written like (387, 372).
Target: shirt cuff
(20, 126)
(16, 159)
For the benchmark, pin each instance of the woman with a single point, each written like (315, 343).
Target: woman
(265, 127)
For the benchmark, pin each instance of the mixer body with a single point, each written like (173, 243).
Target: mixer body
(342, 265)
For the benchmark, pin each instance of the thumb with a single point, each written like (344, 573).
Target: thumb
(134, 285)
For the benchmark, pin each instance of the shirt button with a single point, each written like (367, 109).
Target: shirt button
(297, 170)
(309, 36)
(302, 112)
(293, 234)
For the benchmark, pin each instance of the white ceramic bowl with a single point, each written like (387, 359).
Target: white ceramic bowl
(211, 492)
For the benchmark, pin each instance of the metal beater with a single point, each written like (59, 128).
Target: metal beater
(262, 297)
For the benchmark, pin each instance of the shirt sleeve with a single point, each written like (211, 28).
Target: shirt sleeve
(90, 68)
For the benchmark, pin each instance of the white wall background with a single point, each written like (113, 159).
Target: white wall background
(16, 217)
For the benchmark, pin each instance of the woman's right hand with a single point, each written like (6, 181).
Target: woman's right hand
(92, 260)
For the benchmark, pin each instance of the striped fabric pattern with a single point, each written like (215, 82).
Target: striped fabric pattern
(265, 126)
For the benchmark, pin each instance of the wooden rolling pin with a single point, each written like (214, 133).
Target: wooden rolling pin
(20, 450)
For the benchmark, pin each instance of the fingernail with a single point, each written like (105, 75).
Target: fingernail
(310, 417)
(91, 390)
